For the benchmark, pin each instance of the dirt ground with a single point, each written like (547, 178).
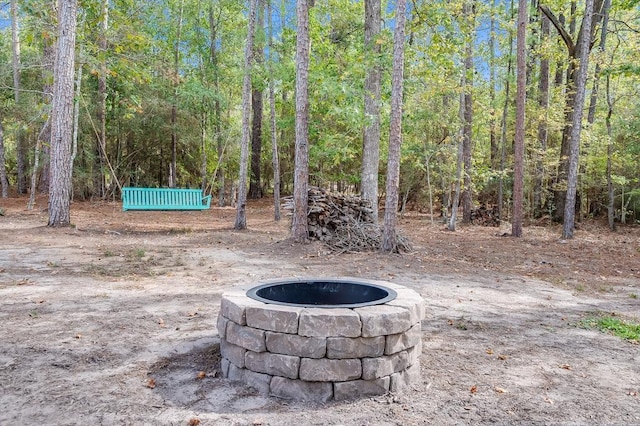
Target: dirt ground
(112, 321)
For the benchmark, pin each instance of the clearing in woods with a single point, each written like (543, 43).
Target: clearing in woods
(113, 321)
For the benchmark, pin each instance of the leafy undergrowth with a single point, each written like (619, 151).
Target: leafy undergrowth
(626, 330)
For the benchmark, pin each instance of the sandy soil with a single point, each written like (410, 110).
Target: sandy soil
(113, 320)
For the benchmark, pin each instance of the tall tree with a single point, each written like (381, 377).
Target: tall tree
(241, 208)
(493, 138)
(173, 166)
(572, 43)
(21, 149)
(4, 182)
(543, 133)
(521, 98)
(299, 223)
(275, 160)
(371, 135)
(62, 116)
(576, 125)
(48, 63)
(389, 238)
(257, 105)
(591, 116)
(101, 142)
(214, 25)
(469, 17)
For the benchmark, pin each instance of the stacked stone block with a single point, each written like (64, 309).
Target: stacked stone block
(319, 354)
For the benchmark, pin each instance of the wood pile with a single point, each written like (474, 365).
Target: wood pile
(344, 223)
(485, 216)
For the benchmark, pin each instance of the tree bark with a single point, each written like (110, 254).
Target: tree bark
(4, 182)
(521, 98)
(503, 124)
(493, 138)
(576, 125)
(275, 161)
(567, 36)
(62, 117)
(543, 104)
(21, 149)
(173, 166)
(48, 63)
(217, 109)
(101, 142)
(455, 204)
(467, 204)
(241, 207)
(257, 106)
(389, 238)
(591, 116)
(371, 134)
(610, 191)
(299, 223)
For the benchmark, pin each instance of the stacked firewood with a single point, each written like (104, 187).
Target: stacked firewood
(485, 216)
(344, 223)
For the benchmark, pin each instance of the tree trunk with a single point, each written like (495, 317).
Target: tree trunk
(503, 124)
(493, 139)
(274, 131)
(46, 130)
(591, 116)
(299, 223)
(371, 135)
(571, 106)
(467, 205)
(101, 142)
(173, 166)
(543, 104)
(257, 105)
(576, 125)
(4, 182)
(241, 207)
(217, 110)
(76, 120)
(21, 149)
(455, 204)
(203, 150)
(48, 61)
(610, 191)
(389, 238)
(521, 98)
(62, 116)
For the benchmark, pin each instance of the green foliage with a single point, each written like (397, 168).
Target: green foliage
(626, 330)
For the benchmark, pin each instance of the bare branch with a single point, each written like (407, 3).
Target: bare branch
(566, 37)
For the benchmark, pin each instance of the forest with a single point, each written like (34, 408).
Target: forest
(159, 100)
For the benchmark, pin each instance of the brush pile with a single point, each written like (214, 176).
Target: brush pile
(344, 223)
(485, 216)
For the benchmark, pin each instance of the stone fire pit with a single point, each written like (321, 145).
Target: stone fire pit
(320, 339)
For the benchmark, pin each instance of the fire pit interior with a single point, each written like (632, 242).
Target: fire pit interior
(324, 293)
(320, 339)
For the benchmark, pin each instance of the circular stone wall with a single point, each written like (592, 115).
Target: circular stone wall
(318, 354)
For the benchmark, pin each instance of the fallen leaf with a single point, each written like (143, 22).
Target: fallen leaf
(549, 400)
(502, 357)
(489, 351)
(194, 422)
(258, 422)
(161, 322)
(151, 383)
(474, 389)
(632, 393)
(565, 366)
(192, 314)
(500, 390)
(78, 336)
(202, 375)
